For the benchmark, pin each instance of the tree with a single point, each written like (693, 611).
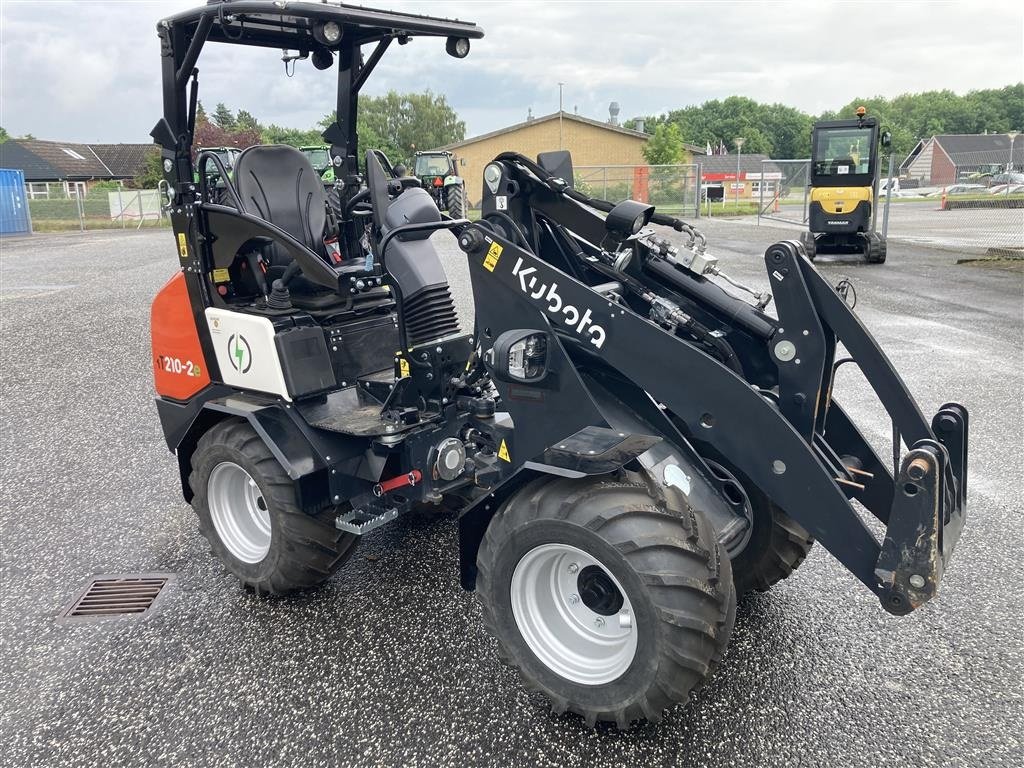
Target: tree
(223, 118)
(4, 136)
(400, 124)
(151, 173)
(244, 121)
(276, 134)
(666, 146)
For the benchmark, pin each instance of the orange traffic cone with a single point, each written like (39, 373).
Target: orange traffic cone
(942, 206)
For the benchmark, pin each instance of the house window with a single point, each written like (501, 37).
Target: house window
(72, 153)
(36, 189)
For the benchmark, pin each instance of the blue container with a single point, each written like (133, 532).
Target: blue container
(14, 214)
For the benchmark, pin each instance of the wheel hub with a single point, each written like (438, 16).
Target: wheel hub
(573, 614)
(239, 512)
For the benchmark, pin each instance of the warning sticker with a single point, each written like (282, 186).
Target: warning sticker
(503, 452)
(221, 276)
(403, 367)
(182, 246)
(491, 259)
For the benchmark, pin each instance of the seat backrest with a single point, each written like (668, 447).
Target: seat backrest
(278, 183)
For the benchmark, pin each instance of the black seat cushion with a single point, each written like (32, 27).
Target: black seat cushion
(277, 183)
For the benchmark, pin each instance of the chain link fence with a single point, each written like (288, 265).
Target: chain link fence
(976, 207)
(57, 207)
(672, 188)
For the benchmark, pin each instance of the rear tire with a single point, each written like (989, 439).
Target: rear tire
(455, 201)
(778, 545)
(653, 573)
(247, 510)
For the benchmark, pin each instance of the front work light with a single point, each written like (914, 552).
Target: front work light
(457, 47)
(331, 32)
(628, 217)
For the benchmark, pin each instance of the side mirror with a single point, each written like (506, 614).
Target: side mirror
(886, 138)
(519, 356)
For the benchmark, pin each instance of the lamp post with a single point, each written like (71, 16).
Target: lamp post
(560, 115)
(1009, 166)
(738, 141)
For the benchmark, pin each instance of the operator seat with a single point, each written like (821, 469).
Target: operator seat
(277, 183)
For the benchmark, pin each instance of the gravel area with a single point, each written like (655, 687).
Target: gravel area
(388, 663)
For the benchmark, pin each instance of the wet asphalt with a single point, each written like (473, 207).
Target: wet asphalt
(388, 663)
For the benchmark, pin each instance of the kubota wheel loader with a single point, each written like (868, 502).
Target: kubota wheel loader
(630, 437)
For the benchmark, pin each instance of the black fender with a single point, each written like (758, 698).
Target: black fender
(307, 455)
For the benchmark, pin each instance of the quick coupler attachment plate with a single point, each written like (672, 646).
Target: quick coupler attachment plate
(927, 517)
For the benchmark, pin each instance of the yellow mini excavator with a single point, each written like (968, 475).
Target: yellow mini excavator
(844, 188)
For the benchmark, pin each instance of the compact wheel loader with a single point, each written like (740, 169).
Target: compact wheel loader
(630, 437)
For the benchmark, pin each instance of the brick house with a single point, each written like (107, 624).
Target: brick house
(62, 168)
(754, 172)
(592, 143)
(947, 159)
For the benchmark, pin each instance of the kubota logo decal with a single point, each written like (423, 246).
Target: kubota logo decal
(579, 321)
(240, 353)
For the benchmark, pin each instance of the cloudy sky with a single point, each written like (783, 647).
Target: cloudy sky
(89, 70)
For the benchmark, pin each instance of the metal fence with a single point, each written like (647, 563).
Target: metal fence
(783, 190)
(101, 207)
(985, 212)
(672, 188)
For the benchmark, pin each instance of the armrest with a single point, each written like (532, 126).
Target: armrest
(232, 229)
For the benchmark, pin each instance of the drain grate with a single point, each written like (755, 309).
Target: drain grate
(132, 594)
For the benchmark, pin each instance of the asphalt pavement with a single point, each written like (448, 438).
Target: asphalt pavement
(388, 663)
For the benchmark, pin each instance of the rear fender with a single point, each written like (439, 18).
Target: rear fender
(452, 180)
(305, 454)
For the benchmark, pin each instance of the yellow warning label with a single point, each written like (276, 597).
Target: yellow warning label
(221, 276)
(491, 259)
(403, 367)
(503, 452)
(182, 246)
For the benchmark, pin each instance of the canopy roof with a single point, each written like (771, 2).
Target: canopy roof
(287, 24)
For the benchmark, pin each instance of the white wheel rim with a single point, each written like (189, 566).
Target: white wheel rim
(239, 512)
(586, 640)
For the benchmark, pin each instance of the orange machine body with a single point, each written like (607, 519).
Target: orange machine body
(179, 368)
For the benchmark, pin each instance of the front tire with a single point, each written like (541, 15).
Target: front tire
(606, 601)
(248, 512)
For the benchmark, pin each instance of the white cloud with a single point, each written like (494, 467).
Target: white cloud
(90, 70)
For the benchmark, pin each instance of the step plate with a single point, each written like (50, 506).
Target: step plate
(360, 522)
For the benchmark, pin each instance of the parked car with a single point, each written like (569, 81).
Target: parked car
(1000, 189)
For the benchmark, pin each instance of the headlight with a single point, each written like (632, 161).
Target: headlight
(528, 357)
(519, 356)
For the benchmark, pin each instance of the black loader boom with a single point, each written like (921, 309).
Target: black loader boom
(715, 375)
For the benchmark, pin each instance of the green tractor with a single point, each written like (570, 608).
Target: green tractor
(439, 176)
(320, 158)
(227, 156)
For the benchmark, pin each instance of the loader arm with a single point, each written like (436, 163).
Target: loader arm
(779, 436)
